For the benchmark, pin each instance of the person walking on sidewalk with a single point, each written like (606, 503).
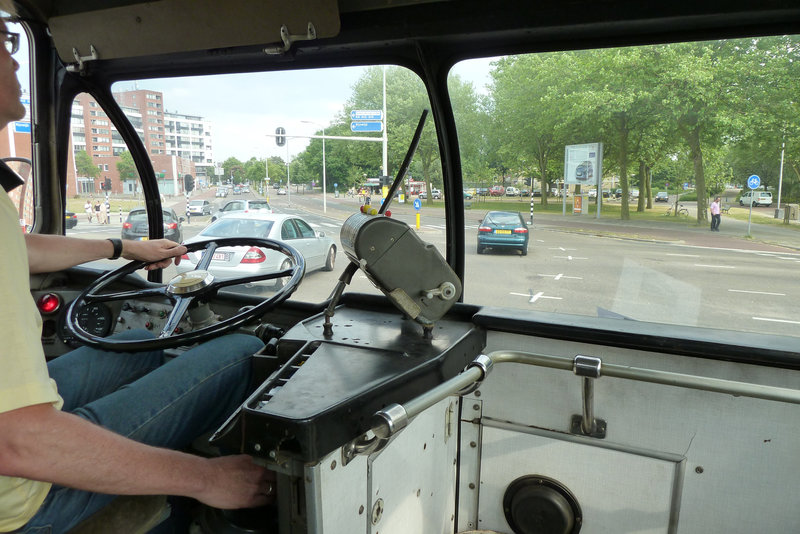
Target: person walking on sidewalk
(715, 216)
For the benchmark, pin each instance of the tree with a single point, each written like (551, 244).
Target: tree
(126, 167)
(85, 166)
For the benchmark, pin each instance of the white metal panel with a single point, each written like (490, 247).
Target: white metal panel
(336, 495)
(618, 491)
(741, 453)
(415, 475)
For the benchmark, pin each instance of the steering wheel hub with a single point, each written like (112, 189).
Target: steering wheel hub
(190, 282)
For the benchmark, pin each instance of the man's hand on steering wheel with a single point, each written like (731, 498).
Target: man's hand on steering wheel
(160, 252)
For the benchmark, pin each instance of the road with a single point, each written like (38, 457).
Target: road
(741, 285)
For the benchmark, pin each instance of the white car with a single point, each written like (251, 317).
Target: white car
(317, 249)
(199, 207)
(242, 206)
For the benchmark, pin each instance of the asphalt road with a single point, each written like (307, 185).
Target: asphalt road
(702, 279)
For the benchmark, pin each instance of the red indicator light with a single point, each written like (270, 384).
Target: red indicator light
(48, 303)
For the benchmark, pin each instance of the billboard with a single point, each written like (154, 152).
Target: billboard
(583, 163)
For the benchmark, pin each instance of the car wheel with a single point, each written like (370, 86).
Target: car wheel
(280, 282)
(523, 251)
(331, 259)
(480, 249)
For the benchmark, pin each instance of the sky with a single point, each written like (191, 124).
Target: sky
(244, 108)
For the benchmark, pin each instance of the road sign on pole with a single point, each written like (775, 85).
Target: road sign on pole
(366, 115)
(366, 126)
(753, 182)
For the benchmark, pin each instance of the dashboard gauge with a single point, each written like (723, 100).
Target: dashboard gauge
(95, 319)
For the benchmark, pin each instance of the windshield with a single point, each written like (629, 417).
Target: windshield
(238, 228)
(695, 121)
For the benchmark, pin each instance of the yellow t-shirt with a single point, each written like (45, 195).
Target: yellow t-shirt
(23, 370)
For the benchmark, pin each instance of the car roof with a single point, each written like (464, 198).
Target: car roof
(261, 216)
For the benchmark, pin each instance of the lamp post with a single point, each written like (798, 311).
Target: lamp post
(324, 177)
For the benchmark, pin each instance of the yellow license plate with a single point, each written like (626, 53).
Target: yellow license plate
(502, 231)
(143, 238)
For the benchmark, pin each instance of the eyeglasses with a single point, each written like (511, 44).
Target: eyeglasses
(11, 41)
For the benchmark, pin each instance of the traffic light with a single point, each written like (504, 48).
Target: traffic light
(188, 182)
(108, 184)
(280, 134)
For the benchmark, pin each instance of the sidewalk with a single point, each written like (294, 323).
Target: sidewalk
(732, 234)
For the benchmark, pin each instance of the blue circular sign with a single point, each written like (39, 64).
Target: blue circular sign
(417, 204)
(753, 182)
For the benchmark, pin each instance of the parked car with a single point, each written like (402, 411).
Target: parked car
(524, 192)
(436, 194)
(242, 206)
(483, 191)
(199, 207)
(70, 220)
(281, 191)
(618, 193)
(317, 249)
(511, 191)
(634, 193)
(136, 227)
(759, 198)
(503, 230)
(497, 191)
(467, 195)
(422, 195)
(662, 196)
(593, 193)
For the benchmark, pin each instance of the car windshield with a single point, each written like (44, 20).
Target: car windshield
(502, 218)
(258, 204)
(137, 216)
(228, 227)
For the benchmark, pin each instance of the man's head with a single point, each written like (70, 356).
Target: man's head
(11, 109)
(717, 199)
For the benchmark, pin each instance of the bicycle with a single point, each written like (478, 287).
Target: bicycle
(681, 210)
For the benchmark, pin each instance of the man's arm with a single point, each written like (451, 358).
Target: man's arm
(40, 442)
(50, 253)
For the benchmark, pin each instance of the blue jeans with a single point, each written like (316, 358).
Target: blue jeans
(141, 397)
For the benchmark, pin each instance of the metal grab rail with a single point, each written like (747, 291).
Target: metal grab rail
(395, 417)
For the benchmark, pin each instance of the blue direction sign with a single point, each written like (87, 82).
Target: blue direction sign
(753, 182)
(366, 126)
(417, 204)
(366, 115)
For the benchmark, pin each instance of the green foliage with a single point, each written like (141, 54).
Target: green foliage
(85, 166)
(126, 167)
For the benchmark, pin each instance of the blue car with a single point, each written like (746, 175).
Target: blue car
(503, 230)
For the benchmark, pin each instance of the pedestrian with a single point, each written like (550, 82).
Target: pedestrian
(97, 212)
(88, 209)
(103, 213)
(715, 216)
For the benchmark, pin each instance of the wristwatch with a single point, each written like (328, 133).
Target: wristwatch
(117, 248)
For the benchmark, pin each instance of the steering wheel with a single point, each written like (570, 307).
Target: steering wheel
(182, 291)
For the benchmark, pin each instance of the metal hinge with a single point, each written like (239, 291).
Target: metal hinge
(80, 61)
(288, 39)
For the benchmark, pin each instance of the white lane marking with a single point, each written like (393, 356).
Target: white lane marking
(775, 320)
(535, 296)
(559, 276)
(331, 225)
(714, 266)
(684, 255)
(562, 249)
(572, 257)
(757, 292)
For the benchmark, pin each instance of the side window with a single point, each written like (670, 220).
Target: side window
(305, 230)
(288, 231)
(15, 139)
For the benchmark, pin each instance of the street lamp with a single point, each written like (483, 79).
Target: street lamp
(324, 177)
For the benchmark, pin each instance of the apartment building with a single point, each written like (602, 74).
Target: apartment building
(177, 144)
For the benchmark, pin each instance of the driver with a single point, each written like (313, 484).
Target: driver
(90, 425)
